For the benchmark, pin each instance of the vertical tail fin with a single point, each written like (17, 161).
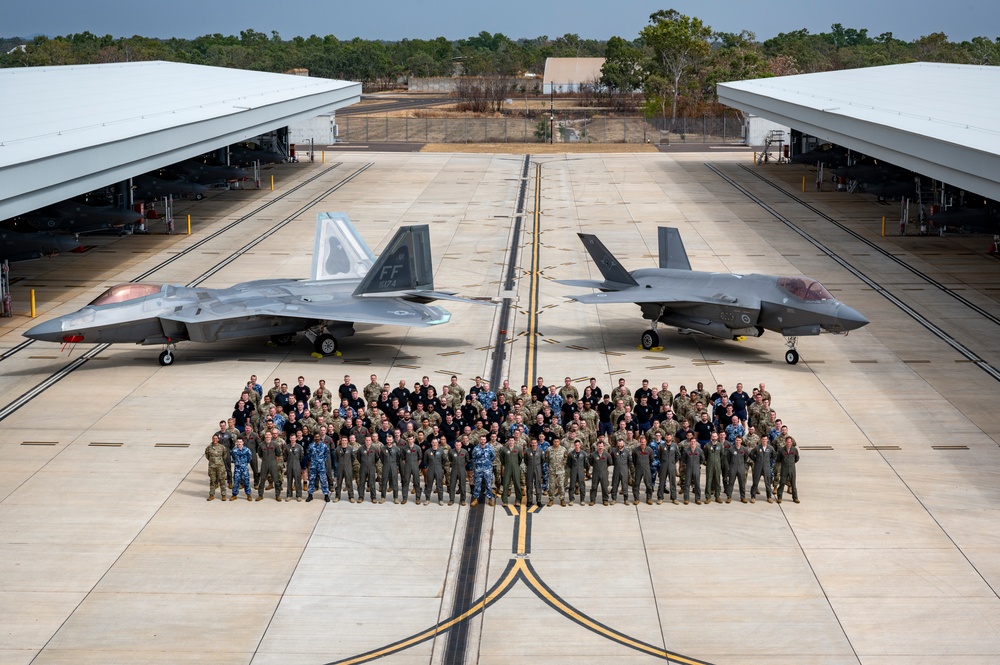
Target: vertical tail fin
(339, 252)
(404, 265)
(672, 252)
(609, 266)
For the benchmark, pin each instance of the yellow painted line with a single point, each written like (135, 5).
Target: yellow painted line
(533, 299)
(484, 602)
(522, 529)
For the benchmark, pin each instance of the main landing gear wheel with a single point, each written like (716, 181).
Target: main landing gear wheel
(649, 339)
(791, 356)
(284, 339)
(166, 358)
(326, 344)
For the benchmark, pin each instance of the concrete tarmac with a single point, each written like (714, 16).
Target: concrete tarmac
(113, 554)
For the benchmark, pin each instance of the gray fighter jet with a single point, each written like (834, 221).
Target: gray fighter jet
(27, 246)
(348, 285)
(723, 305)
(73, 216)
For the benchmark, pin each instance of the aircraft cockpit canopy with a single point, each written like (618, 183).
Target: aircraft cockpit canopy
(126, 292)
(804, 288)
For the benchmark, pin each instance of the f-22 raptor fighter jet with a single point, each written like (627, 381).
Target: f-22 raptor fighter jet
(348, 285)
(723, 305)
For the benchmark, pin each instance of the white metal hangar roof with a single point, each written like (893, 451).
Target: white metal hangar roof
(940, 120)
(68, 130)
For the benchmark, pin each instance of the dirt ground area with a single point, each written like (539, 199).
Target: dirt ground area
(538, 148)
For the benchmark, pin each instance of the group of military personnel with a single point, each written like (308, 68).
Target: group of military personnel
(546, 441)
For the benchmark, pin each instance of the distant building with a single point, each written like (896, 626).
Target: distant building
(568, 74)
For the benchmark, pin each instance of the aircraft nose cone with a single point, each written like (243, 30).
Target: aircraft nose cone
(850, 318)
(49, 331)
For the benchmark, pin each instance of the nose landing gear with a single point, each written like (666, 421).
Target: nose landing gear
(791, 355)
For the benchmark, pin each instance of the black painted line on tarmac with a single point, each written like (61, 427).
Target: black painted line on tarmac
(458, 639)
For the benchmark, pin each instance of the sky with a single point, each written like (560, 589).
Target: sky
(455, 19)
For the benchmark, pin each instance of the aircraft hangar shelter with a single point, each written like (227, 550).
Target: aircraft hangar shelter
(932, 118)
(68, 130)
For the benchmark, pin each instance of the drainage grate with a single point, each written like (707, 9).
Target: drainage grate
(882, 448)
(865, 362)
(39, 443)
(171, 445)
(950, 447)
(106, 444)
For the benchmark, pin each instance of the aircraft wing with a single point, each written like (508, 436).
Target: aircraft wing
(632, 296)
(393, 311)
(672, 300)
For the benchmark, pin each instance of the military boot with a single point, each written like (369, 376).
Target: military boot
(212, 496)
(475, 502)
(490, 502)
(562, 502)
(550, 503)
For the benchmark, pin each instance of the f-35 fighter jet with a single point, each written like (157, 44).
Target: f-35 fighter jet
(723, 305)
(348, 285)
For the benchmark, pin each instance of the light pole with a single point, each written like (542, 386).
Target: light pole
(552, 113)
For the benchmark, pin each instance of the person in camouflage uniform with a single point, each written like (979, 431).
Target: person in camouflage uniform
(556, 458)
(482, 465)
(241, 470)
(318, 453)
(217, 455)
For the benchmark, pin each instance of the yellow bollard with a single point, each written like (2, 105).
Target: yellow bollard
(803, 183)
(754, 156)
(189, 224)
(323, 157)
(883, 226)
(272, 183)
(32, 303)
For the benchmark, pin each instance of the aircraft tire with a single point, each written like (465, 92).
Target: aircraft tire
(649, 339)
(284, 339)
(199, 196)
(791, 356)
(166, 358)
(326, 344)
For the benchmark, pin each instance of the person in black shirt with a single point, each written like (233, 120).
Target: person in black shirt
(644, 391)
(539, 390)
(604, 410)
(703, 429)
(344, 390)
(301, 391)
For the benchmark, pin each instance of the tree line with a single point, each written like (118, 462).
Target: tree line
(671, 67)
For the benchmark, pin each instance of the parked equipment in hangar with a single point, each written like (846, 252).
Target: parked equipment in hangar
(348, 285)
(723, 305)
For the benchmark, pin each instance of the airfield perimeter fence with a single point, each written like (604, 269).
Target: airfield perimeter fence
(379, 128)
